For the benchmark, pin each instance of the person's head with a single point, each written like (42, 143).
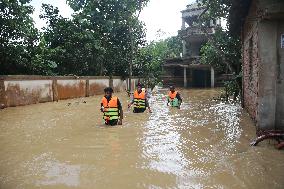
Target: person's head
(139, 87)
(172, 88)
(108, 92)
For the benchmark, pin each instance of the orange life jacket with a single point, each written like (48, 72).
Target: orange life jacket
(110, 108)
(141, 95)
(172, 95)
(139, 100)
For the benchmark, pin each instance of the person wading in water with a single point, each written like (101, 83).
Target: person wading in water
(174, 98)
(112, 108)
(140, 101)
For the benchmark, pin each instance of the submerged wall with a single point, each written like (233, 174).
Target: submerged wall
(25, 90)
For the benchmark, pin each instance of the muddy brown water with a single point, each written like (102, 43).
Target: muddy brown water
(203, 145)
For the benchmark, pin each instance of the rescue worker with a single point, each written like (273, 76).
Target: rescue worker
(112, 108)
(174, 98)
(140, 101)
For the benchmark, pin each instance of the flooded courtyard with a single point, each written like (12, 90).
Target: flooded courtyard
(205, 144)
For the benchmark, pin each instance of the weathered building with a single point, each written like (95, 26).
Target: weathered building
(187, 71)
(262, 30)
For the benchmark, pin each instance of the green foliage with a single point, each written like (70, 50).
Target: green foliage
(150, 58)
(116, 25)
(174, 45)
(223, 50)
(18, 37)
(215, 9)
(69, 44)
(101, 38)
(229, 47)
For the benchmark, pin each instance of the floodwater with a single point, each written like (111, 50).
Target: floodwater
(203, 145)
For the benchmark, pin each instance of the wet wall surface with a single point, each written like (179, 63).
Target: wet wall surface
(26, 90)
(205, 144)
(19, 93)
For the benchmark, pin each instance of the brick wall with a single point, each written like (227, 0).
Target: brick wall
(250, 74)
(263, 91)
(251, 62)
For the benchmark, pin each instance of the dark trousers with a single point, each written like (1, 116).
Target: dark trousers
(138, 110)
(111, 122)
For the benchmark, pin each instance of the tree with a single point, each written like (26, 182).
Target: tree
(149, 60)
(223, 50)
(174, 45)
(101, 38)
(69, 44)
(18, 37)
(228, 46)
(117, 27)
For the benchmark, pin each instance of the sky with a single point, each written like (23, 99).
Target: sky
(164, 15)
(159, 15)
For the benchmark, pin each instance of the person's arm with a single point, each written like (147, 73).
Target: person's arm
(147, 105)
(179, 98)
(102, 109)
(146, 102)
(131, 102)
(120, 111)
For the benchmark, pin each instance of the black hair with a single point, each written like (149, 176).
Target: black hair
(108, 89)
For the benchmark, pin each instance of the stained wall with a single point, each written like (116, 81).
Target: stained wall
(25, 90)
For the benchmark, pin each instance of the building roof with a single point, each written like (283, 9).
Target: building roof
(193, 9)
(193, 6)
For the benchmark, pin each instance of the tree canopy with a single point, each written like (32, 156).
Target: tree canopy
(100, 38)
(149, 59)
(18, 37)
(223, 49)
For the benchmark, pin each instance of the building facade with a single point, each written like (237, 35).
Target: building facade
(187, 71)
(263, 63)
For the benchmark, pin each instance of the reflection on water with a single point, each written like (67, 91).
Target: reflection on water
(161, 141)
(205, 144)
(54, 172)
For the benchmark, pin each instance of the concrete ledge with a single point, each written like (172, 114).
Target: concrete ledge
(39, 77)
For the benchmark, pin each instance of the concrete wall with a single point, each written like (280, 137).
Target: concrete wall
(280, 79)
(267, 75)
(96, 86)
(134, 82)
(119, 85)
(24, 90)
(271, 6)
(27, 92)
(194, 47)
(263, 69)
(71, 88)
